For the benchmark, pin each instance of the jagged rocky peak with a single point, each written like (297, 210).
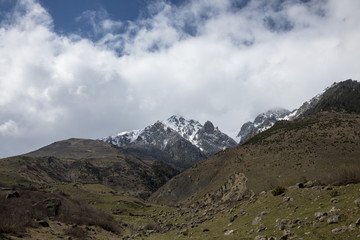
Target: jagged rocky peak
(209, 127)
(261, 123)
(271, 115)
(186, 128)
(182, 139)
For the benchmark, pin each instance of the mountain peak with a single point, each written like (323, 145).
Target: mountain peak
(209, 127)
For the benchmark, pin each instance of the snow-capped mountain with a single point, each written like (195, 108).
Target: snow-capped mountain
(261, 123)
(266, 120)
(185, 141)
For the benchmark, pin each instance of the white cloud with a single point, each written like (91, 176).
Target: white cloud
(203, 59)
(9, 128)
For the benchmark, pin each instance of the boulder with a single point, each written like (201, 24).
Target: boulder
(12, 194)
(256, 221)
(333, 219)
(339, 229)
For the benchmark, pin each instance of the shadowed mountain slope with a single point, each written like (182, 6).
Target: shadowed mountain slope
(87, 161)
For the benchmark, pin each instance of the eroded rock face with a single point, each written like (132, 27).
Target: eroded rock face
(233, 190)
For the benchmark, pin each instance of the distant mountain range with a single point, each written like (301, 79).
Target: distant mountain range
(183, 142)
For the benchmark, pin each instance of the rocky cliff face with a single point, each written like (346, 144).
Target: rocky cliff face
(184, 142)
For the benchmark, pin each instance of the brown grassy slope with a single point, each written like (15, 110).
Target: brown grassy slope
(18, 213)
(87, 161)
(290, 152)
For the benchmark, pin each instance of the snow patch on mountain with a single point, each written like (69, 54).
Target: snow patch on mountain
(164, 134)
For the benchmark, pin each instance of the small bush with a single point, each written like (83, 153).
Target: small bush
(77, 232)
(278, 190)
(153, 226)
(334, 193)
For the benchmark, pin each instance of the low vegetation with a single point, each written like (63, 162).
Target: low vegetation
(278, 191)
(29, 208)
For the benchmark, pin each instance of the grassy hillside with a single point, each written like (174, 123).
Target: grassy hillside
(318, 148)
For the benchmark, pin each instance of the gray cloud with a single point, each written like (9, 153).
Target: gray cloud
(221, 60)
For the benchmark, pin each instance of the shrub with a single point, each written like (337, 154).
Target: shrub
(334, 193)
(18, 213)
(278, 190)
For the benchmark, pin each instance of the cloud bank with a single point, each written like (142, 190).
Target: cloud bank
(222, 60)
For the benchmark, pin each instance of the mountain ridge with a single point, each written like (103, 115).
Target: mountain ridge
(185, 141)
(266, 120)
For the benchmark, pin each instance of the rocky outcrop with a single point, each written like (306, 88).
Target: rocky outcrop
(233, 190)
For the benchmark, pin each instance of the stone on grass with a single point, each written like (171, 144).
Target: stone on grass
(339, 229)
(260, 237)
(357, 202)
(333, 219)
(256, 221)
(229, 232)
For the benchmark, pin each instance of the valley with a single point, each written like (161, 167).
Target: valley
(297, 178)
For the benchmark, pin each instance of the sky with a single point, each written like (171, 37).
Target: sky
(90, 69)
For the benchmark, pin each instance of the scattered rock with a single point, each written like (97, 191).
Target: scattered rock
(260, 228)
(263, 213)
(229, 232)
(334, 200)
(339, 229)
(357, 202)
(286, 199)
(43, 223)
(320, 214)
(256, 221)
(260, 237)
(334, 209)
(317, 198)
(352, 227)
(12, 194)
(333, 219)
(263, 193)
(184, 232)
(206, 230)
(308, 184)
(357, 222)
(233, 218)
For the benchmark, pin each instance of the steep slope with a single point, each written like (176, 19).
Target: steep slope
(342, 96)
(182, 142)
(87, 161)
(289, 152)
